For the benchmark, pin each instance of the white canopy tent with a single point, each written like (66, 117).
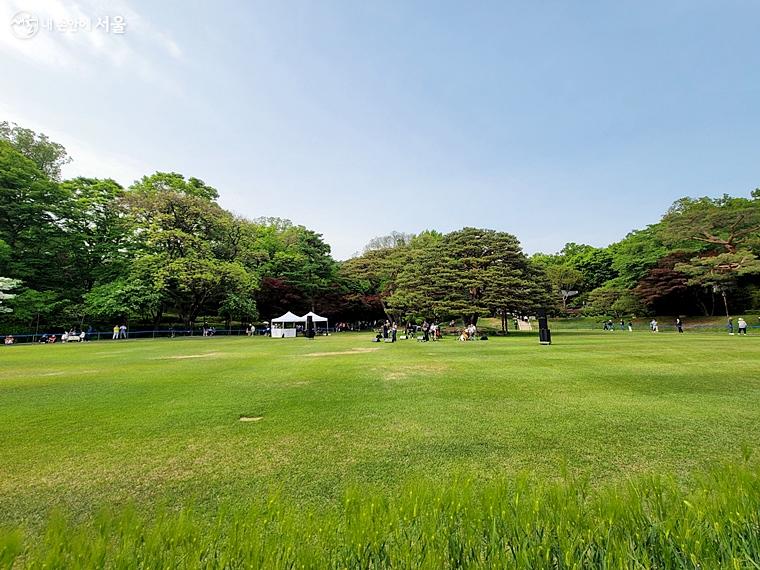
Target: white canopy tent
(315, 318)
(285, 326)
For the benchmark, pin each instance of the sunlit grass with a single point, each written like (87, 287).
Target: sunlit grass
(156, 424)
(646, 523)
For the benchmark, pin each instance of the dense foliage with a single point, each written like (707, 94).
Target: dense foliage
(701, 258)
(162, 251)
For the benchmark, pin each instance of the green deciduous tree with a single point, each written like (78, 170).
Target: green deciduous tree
(124, 298)
(237, 306)
(30, 205)
(189, 253)
(636, 254)
(98, 230)
(49, 156)
(613, 301)
(565, 281)
(173, 182)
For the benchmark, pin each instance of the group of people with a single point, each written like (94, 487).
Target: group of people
(73, 336)
(119, 331)
(470, 332)
(388, 332)
(741, 325)
(608, 325)
(427, 331)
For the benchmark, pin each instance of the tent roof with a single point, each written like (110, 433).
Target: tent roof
(289, 318)
(314, 317)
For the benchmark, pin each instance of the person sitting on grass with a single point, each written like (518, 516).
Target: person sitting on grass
(10, 340)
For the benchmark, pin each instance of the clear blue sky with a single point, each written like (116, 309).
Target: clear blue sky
(556, 121)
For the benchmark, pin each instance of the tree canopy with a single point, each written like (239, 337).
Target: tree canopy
(163, 251)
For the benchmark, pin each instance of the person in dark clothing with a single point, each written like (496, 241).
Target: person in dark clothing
(679, 325)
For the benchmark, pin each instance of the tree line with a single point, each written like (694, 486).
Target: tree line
(163, 251)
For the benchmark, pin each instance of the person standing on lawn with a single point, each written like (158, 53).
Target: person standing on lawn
(742, 326)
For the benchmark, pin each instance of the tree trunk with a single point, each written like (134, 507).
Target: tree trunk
(157, 318)
(712, 304)
(725, 302)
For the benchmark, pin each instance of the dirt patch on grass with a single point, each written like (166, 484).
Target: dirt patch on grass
(185, 356)
(419, 370)
(342, 352)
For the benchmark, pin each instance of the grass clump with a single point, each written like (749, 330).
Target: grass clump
(649, 522)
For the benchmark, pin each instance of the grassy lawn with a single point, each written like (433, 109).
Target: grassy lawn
(157, 422)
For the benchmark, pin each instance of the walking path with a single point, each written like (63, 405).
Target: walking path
(524, 325)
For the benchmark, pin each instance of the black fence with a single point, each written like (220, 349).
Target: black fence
(46, 337)
(138, 334)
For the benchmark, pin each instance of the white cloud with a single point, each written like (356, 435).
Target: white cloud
(171, 46)
(87, 160)
(85, 49)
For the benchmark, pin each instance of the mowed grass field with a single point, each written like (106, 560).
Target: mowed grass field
(157, 422)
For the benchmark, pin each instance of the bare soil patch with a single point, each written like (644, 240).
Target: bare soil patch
(340, 352)
(185, 356)
(401, 372)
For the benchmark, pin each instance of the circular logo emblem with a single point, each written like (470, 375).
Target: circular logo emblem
(25, 25)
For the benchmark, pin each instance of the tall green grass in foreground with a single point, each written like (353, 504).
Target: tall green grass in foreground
(647, 523)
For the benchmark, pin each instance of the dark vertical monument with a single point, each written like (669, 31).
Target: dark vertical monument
(544, 334)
